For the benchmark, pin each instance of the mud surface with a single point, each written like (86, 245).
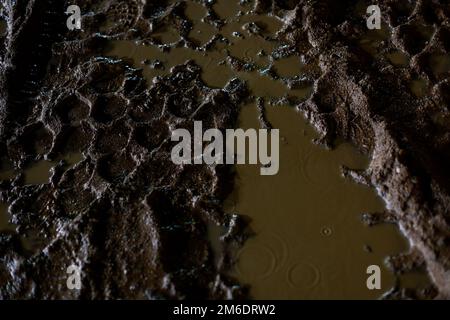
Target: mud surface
(99, 124)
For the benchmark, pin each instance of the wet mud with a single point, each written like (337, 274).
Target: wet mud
(86, 177)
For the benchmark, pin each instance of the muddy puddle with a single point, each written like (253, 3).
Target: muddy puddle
(35, 173)
(4, 218)
(398, 58)
(243, 48)
(40, 172)
(309, 240)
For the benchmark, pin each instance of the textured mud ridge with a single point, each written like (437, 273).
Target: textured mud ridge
(134, 221)
(137, 224)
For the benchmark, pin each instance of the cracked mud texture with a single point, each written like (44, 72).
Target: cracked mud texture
(135, 222)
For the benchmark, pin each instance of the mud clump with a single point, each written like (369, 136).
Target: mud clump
(136, 223)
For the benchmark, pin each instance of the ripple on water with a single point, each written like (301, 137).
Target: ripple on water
(303, 275)
(256, 253)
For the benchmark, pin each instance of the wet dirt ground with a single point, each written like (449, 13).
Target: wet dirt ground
(86, 176)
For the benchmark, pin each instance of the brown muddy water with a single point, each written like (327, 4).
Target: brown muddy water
(35, 173)
(40, 172)
(310, 242)
(4, 218)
